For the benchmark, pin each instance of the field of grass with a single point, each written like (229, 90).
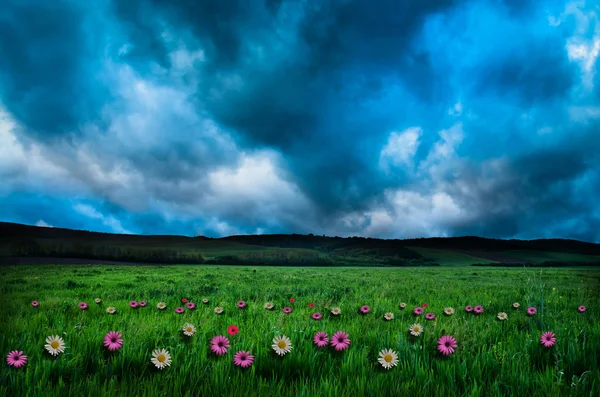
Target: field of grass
(448, 257)
(543, 256)
(493, 358)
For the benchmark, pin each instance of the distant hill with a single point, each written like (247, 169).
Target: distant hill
(19, 242)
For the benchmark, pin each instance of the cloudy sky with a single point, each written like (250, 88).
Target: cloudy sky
(337, 117)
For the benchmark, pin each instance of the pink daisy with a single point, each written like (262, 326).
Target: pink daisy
(424, 304)
(219, 345)
(417, 311)
(548, 339)
(446, 345)
(83, 305)
(16, 359)
(287, 310)
(340, 341)
(243, 359)
(35, 303)
(468, 308)
(133, 304)
(113, 340)
(190, 305)
(317, 316)
(179, 310)
(581, 309)
(321, 339)
(241, 304)
(430, 316)
(531, 311)
(142, 304)
(311, 305)
(478, 309)
(365, 309)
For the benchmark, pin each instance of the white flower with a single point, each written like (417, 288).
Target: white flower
(218, 310)
(161, 305)
(516, 305)
(388, 316)
(205, 300)
(189, 330)
(388, 358)
(269, 305)
(111, 310)
(55, 345)
(416, 329)
(98, 300)
(161, 358)
(449, 311)
(282, 345)
(336, 311)
(502, 316)
(402, 305)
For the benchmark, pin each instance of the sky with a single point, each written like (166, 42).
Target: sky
(345, 118)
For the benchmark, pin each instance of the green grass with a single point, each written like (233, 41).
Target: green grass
(543, 256)
(449, 258)
(492, 359)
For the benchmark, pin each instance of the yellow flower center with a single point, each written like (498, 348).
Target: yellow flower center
(161, 358)
(281, 344)
(55, 344)
(189, 329)
(388, 358)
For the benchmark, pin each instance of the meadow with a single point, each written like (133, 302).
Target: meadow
(493, 357)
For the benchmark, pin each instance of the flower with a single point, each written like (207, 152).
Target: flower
(468, 308)
(35, 303)
(321, 339)
(531, 311)
(548, 339)
(317, 316)
(287, 310)
(311, 305)
(219, 345)
(388, 358)
(449, 311)
(16, 359)
(336, 311)
(417, 311)
(243, 359)
(581, 309)
(388, 316)
(282, 345)
(269, 306)
(402, 306)
(133, 304)
(184, 300)
(113, 340)
(205, 301)
(502, 316)
(340, 341)
(189, 329)
(446, 345)
(190, 305)
(516, 305)
(161, 358)
(98, 300)
(478, 309)
(161, 305)
(218, 310)
(292, 300)
(416, 329)
(429, 316)
(241, 304)
(83, 305)
(179, 310)
(55, 345)
(365, 309)
(142, 303)
(233, 330)
(424, 304)
(111, 310)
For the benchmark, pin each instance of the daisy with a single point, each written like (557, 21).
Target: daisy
(241, 304)
(111, 310)
(83, 305)
(189, 330)
(233, 330)
(516, 305)
(531, 311)
(219, 345)
(282, 345)
(16, 359)
(133, 304)
(184, 300)
(548, 339)
(161, 305)
(446, 345)
(402, 306)
(179, 310)
(142, 304)
(243, 359)
(468, 308)
(478, 309)
(429, 316)
(336, 311)
(502, 316)
(113, 340)
(218, 310)
(321, 339)
(581, 309)
(416, 329)
(388, 358)
(55, 345)
(269, 306)
(388, 316)
(311, 305)
(190, 305)
(448, 311)
(35, 303)
(292, 300)
(161, 358)
(340, 341)
(205, 301)
(287, 310)
(98, 300)
(417, 311)
(424, 304)
(317, 316)
(365, 309)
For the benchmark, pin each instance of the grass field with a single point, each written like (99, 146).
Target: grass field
(492, 358)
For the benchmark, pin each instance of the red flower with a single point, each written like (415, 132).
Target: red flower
(311, 304)
(233, 330)
(183, 300)
(292, 300)
(424, 305)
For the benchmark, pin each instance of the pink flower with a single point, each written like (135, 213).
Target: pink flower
(317, 316)
(469, 308)
(133, 304)
(548, 339)
(581, 309)
(179, 310)
(424, 304)
(446, 345)
(219, 345)
(36, 304)
(478, 309)
(16, 359)
(321, 339)
(83, 305)
(531, 311)
(190, 305)
(143, 304)
(113, 340)
(243, 359)
(287, 310)
(417, 311)
(340, 341)
(430, 316)
(241, 304)
(365, 309)
(311, 305)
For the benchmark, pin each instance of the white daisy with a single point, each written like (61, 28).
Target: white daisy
(402, 305)
(161, 358)
(161, 305)
(98, 300)
(388, 316)
(449, 311)
(416, 329)
(388, 358)
(282, 345)
(218, 310)
(269, 305)
(205, 300)
(336, 311)
(55, 345)
(502, 316)
(189, 330)
(516, 305)
(111, 310)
